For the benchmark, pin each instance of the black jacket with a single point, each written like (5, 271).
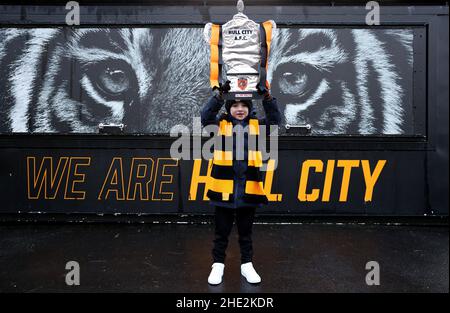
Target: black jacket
(209, 115)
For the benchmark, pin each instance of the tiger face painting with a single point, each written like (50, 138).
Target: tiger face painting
(344, 81)
(68, 80)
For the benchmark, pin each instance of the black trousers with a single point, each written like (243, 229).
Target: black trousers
(224, 218)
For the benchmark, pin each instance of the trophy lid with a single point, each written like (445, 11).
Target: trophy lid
(240, 8)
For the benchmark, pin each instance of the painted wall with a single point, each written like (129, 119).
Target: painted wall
(376, 97)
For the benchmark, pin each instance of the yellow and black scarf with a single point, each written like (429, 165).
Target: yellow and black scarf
(221, 185)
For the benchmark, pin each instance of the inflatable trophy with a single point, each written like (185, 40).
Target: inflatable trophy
(240, 46)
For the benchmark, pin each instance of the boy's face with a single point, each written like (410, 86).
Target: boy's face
(239, 110)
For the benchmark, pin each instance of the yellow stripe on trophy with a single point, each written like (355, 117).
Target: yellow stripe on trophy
(254, 158)
(214, 62)
(268, 28)
(223, 158)
(254, 187)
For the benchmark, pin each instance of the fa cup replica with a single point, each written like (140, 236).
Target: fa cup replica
(241, 47)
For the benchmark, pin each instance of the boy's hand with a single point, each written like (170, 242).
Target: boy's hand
(264, 92)
(226, 87)
(223, 88)
(267, 96)
(218, 93)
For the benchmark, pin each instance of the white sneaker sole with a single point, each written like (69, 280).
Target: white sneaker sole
(251, 282)
(214, 283)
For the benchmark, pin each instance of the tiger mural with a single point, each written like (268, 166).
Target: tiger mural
(68, 80)
(343, 81)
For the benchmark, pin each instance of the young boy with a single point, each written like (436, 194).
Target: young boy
(241, 199)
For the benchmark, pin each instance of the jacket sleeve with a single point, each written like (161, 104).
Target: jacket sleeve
(273, 115)
(210, 111)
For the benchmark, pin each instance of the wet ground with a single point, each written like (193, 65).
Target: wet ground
(176, 258)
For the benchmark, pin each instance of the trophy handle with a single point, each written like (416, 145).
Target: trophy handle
(207, 32)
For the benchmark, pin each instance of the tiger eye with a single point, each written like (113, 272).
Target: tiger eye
(114, 80)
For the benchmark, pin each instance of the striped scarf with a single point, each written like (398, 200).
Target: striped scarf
(221, 184)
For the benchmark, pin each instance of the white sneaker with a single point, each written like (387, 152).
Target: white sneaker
(215, 277)
(248, 271)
